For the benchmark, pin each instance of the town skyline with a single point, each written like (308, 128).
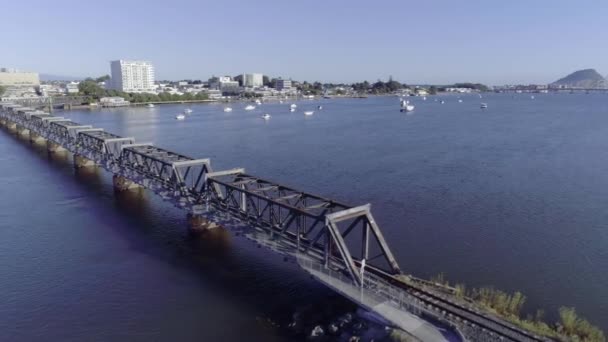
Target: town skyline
(415, 43)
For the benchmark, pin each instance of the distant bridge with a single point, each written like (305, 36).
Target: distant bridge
(340, 245)
(53, 102)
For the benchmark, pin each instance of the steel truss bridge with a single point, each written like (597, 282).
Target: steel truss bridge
(340, 245)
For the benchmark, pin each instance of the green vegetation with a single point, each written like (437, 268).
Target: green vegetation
(2, 90)
(570, 326)
(311, 89)
(90, 87)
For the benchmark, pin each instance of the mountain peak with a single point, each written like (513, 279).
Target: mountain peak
(586, 78)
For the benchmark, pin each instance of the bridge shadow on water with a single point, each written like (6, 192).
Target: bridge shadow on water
(288, 302)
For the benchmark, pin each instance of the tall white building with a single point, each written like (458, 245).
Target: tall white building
(253, 80)
(132, 76)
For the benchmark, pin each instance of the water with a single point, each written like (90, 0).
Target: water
(512, 196)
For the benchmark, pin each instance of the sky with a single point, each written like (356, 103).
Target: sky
(415, 42)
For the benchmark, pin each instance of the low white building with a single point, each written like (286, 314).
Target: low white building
(72, 88)
(114, 101)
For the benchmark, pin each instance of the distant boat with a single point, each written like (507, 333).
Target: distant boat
(424, 98)
(483, 106)
(227, 110)
(532, 97)
(327, 97)
(258, 102)
(187, 111)
(293, 105)
(406, 106)
(319, 107)
(280, 101)
(150, 105)
(266, 116)
(180, 117)
(292, 110)
(250, 107)
(310, 112)
(480, 96)
(459, 100)
(442, 101)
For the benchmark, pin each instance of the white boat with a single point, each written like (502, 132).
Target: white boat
(292, 110)
(150, 105)
(258, 102)
(459, 100)
(532, 97)
(319, 107)
(442, 101)
(424, 98)
(187, 111)
(480, 96)
(250, 107)
(309, 112)
(227, 110)
(293, 105)
(406, 106)
(266, 116)
(180, 117)
(483, 106)
(280, 101)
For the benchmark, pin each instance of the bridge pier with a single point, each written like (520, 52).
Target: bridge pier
(53, 147)
(198, 224)
(11, 126)
(123, 184)
(80, 162)
(36, 138)
(22, 130)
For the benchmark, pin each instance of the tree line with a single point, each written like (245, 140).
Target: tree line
(90, 87)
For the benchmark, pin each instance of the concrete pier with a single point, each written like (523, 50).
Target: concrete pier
(80, 162)
(22, 130)
(123, 184)
(53, 147)
(199, 224)
(11, 126)
(36, 138)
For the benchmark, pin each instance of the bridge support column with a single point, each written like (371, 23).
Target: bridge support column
(80, 162)
(53, 147)
(199, 224)
(22, 130)
(123, 184)
(36, 138)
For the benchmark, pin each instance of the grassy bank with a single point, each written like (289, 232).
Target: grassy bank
(509, 306)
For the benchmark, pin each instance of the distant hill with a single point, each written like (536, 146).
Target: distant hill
(587, 78)
(49, 77)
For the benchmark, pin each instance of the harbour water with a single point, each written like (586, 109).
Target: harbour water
(511, 196)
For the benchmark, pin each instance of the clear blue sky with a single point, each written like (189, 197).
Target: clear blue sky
(488, 41)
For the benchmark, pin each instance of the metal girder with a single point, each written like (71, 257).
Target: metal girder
(319, 227)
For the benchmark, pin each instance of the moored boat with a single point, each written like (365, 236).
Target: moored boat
(180, 117)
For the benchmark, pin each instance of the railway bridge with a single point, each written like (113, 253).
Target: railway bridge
(340, 245)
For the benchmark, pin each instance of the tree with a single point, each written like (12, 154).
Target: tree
(2, 90)
(102, 78)
(90, 88)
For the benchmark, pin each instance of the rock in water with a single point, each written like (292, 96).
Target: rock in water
(317, 331)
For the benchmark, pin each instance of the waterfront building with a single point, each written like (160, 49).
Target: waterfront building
(114, 101)
(15, 78)
(132, 76)
(253, 80)
(71, 88)
(283, 84)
